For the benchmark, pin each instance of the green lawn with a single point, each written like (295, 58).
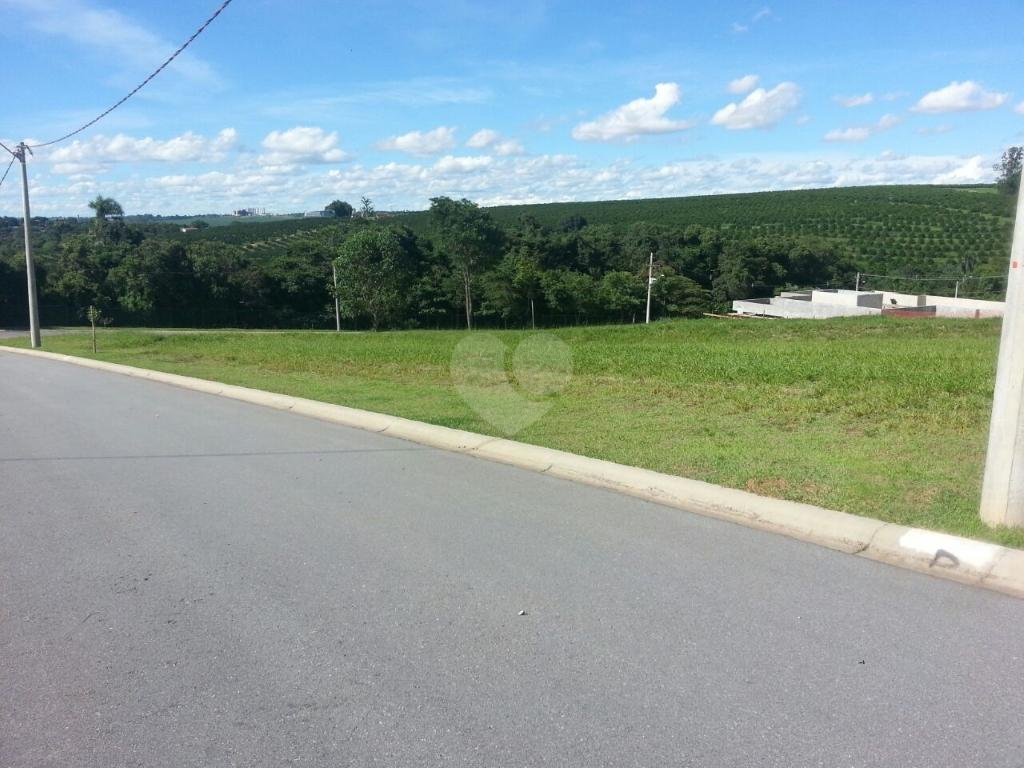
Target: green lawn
(884, 417)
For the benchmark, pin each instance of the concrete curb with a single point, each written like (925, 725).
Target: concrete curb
(951, 557)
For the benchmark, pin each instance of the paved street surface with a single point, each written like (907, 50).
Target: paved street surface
(187, 580)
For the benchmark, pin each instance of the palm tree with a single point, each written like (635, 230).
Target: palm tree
(104, 207)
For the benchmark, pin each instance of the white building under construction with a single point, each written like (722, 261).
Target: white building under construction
(826, 303)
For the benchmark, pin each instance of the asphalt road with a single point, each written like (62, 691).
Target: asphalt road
(187, 580)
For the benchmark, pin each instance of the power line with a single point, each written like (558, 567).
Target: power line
(141, 85)
(960, 278)
(11, 151)
(4, 177)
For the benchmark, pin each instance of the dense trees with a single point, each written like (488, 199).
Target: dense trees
(1008, 170)
(340, 209)
(460, 265)
(372, 276)
(470, 241)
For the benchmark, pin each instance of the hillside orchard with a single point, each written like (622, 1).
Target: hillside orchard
(515, 266)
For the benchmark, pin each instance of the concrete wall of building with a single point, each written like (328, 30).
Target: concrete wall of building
(903, 299)
(833, 297)
(949, 301)
(948, 311)
(800, 308)
(823, 304)
(847, 298)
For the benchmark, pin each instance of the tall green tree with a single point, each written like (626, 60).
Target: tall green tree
(371, 278)
(1008, 170)
(678, 296)
(159, 275)
(747, 270)
(340, 209)
(621, 294)
(469, 240)
(570, 294)
(511, 288)
(104, 207)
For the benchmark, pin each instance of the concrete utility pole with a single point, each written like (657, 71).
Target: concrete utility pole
(337, 304)
(1002, 491)
(21, 152)
(650, 282)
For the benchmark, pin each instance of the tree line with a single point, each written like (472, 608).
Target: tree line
(462, 269)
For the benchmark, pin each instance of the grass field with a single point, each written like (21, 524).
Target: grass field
(884, 417)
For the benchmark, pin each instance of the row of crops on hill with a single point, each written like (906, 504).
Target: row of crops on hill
(905, 230)
(257, 233)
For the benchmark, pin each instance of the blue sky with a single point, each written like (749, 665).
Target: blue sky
(288, 104)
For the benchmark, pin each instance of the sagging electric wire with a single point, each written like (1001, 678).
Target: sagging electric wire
(922, 278)
(141, 85)
(4, 177)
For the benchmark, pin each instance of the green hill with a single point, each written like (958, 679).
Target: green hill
(906, 230)
(892, 230)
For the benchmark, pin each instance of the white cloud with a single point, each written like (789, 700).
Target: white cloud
(933, 130)
(744, 84)
(450, 164)
(848, 134)
(499, 145)
(885, 122)
(863, 132)
(856, 101)
(508, 147)
(1019, 109)
(966, 96)
(134, 47)
(493, 181)
(637, 118)
(739, 28)
(302, 144)
(760, 109)
(482, 138)
(307, 104)
(973, 170)
(98, 151)
(421, 143)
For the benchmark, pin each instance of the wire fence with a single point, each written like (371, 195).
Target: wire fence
(962, 286)
(14, 315)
